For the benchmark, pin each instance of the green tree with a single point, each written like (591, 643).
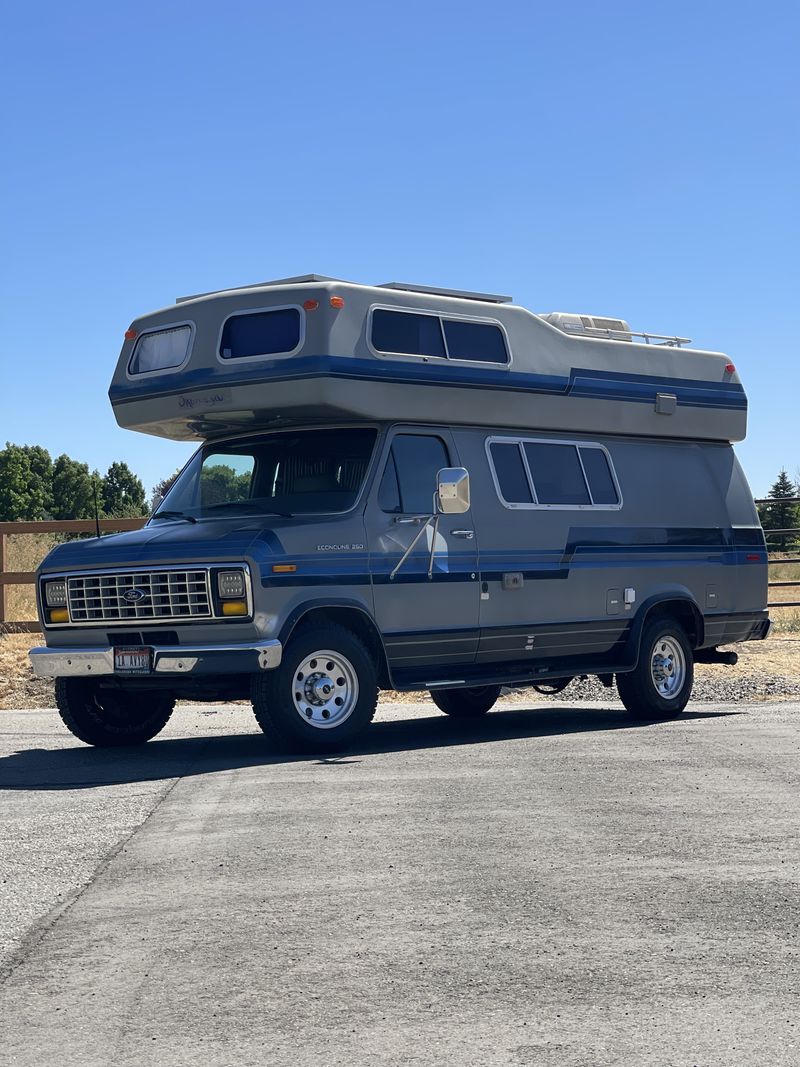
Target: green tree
(24, 483)
(160, 489)
(783, 514)
(74, 489)
(123, 493)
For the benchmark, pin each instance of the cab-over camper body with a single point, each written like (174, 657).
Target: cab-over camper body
(414, 489)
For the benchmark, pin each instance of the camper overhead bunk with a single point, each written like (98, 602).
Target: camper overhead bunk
(410, 488)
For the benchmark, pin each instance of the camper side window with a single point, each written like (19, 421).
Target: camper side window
(261, 333)
(410, 333)
(552, 474)
(409, 478)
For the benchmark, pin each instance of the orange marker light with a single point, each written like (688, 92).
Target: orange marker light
(311, 305)
(284, 568)
(729, 368)
(130, 335)
(337, 301)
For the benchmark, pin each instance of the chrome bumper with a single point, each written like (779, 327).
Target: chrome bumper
(176, 660)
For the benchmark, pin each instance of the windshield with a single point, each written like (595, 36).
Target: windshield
(288, 473)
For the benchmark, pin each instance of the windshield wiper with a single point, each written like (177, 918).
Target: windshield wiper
(252, 505)
(174, 515)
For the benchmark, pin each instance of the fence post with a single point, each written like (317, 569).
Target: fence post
(3, 564)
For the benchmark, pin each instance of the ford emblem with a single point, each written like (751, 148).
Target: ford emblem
(134, 596)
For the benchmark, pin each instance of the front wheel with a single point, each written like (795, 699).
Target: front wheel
(466, 703)
(661, 684)
(109, 717)
(321, 696)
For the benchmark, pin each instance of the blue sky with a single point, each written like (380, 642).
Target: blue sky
(632, 159)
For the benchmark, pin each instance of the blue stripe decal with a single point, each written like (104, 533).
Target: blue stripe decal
(581, 382)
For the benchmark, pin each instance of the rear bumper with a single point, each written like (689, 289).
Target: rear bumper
(178, 660)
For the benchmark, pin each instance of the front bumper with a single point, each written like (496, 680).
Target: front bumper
(176, 660)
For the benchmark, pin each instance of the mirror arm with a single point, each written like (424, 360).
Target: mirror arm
(412, 546)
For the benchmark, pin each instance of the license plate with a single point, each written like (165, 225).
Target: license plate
(133, 660)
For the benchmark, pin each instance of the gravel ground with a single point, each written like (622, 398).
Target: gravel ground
(767, 670)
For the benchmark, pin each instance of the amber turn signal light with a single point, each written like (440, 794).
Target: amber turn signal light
(234, 607)
(59, 615)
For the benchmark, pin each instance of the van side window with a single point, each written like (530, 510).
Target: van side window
(510, 471)
(557, 474)
(561, 474)
(601, 484)
(409, 480)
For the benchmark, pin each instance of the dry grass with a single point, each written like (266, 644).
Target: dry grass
(25, 553)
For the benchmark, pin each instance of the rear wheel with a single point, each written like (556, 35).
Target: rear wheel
(321, 696)
(111, 717)
(661, 684)
(466, 703)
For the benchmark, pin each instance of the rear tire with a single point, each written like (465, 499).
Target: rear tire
(109, 718)
(661, 684)
(322, 695)
(468, 703)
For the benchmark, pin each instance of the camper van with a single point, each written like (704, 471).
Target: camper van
(408, 488)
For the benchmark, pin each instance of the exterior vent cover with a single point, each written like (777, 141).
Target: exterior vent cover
(589, 325)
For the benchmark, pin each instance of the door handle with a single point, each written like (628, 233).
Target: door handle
(411, 521)
(469, 534)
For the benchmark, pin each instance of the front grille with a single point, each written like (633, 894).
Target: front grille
(166, 594)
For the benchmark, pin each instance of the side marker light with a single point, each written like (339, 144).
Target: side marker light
(337, 301)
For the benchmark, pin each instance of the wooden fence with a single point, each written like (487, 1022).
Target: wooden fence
(8, 578)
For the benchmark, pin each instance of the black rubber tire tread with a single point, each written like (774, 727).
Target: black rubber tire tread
(636, 689)
(272, 701)
(80, 705)
(468, 703)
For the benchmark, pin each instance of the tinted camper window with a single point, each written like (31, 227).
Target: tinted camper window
(479, 341)
(404, 332)
(557, 474)
(261, 333)
(534, 474)
(601, 484)
(510, 471)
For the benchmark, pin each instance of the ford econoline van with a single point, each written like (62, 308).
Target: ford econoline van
(412, 489)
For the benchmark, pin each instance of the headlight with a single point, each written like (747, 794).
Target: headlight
(230, 584)
(55, 594)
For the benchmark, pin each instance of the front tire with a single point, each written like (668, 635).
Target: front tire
(109, 718)
(469, 703)
(322, 695)
(661, 684)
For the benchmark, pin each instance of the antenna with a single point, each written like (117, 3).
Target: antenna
(96, 510)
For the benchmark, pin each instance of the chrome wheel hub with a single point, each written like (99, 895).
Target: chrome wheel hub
(668, 667)
(325, 689)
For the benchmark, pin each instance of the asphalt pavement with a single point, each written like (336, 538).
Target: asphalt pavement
(552, 885)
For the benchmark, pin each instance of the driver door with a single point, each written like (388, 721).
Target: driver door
(429, 625)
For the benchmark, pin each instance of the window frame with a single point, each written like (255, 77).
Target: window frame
(536, 506)
(442, 316)
(135, 376)
(235, 360)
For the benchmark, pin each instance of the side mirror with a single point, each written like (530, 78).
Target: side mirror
(452, 490)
